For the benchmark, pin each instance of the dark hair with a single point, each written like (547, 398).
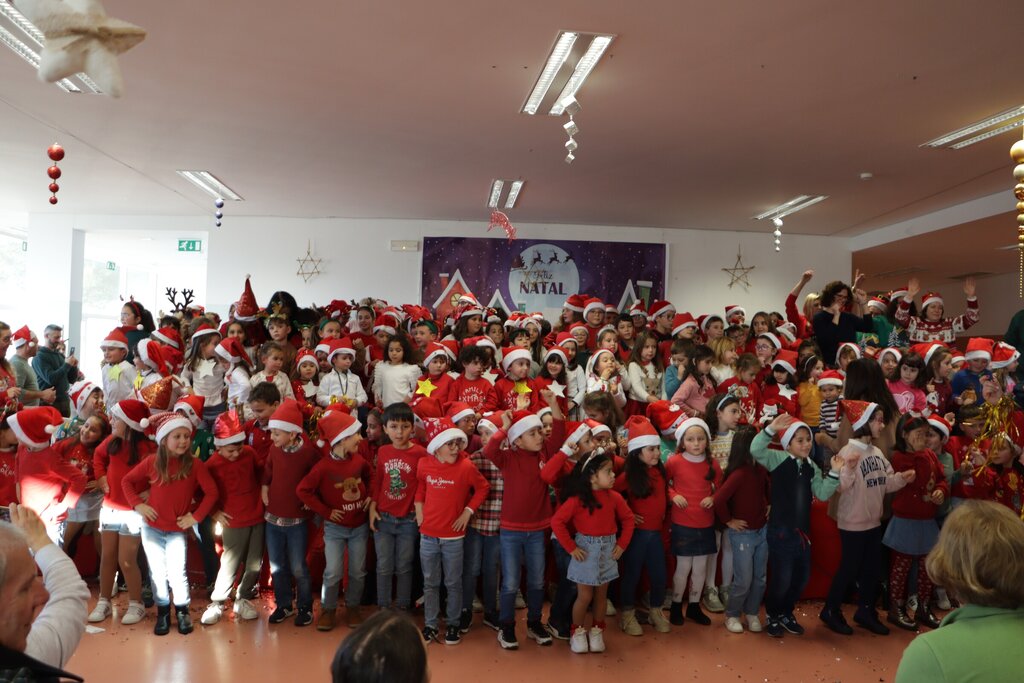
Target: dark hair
(767, 318)
(577, 483)
(747, 361)
(638, 479)
(739, 453)
(267, 392)
(808, 344)
(684, 346)
(912, 360)
(472, 352)
(865, 382)
(700, 353)
(460, 330)
(602, 400)
(409, 354)
(890, 311)
(907, 423)
(638, 346)
(270, 347)
(515, 334)
(114, 444)
(966, 414)
(790, 379)
(938, 355)
(500, 324)
(245, 332)
(397, 412)
(285, 301)
(562, 377)
(807, 367)
(144, 316)
(192, 355)
(387, 648)
(866, 429)
(718, 402)
(829, 292)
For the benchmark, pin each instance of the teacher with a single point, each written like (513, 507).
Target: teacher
(833, 325)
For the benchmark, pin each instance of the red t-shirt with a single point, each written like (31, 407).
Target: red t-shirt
(76, 454)
(444, 491)
(114, 466)
(443, 382)
(476, 392)
(174, 498)
(506, 397)
(337, 484)
(238, 487)
(394, 480)
(689, 480)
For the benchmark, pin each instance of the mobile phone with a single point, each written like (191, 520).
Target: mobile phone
(5, 514)
(71, 351)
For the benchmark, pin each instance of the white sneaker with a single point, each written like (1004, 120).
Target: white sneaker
(135, 613)
(578, 643)
(100, 612)
(912, 603)
(212, 614)
(734, 625)
(596, 639)
(609, 610)
(245, 609)
(942, 599)
(753, 623)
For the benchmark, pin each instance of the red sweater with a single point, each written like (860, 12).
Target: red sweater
(443, 382)
(394, 480)
(283, 473)
(654, 507)
(338, 484)
(611, 508)
(689, 480)
(46, 479)
(506, 398)
(259, 439)
(172, 499)
(8, 477)
(444, 491)
(525, 505)
(478, 393)
(913, 501)
(238, 487)
(745, 495)
(77, 454)
(114, 466)
(750, 401)
(541, 383)
(786, 404)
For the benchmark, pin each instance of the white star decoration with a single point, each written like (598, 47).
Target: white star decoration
(80, 37)
(557, 389)
(739, 272)
(309, 265)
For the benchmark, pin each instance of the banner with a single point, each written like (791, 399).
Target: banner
(538, 275)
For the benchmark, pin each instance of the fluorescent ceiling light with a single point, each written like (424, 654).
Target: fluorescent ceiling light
(497, 186)
(495, 193)
(572, 58)
(792, 206)
(970, 134)
(210, 184)
(513, 193)
(29, 50)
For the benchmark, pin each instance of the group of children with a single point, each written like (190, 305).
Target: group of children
(643, 453)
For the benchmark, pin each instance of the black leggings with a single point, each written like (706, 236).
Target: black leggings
(860, 561)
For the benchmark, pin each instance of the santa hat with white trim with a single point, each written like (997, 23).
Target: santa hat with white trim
(335, 425)
(641, 433)
(830, 378)
(305, 356)
(115, 340)
(857, 412)
(660, 307)
(202, 331)
(434, 350)
(522, 422)
(384, 324)
(228, 429)
(510, 354)
(787, 436)
(168, 335)
(681, 321)
(877, 303)
(35, 426)
(665, 416)
(482, 340)
(457, 410)
(133, 413)
(979, 348)
(191, 406)
(80, 393)
(929, 299)
(490, 422)
(734, 309)
(940, 425)
(22, 337)
(891, 350)
(592, 304)
(343, 345)
(1003, 356)
(705, 320)
(786, 360)
(574, 432)
(231, 350)
(847, 345)
(574, 303)
(556, 351)
(773, 339)
(441, 431)
(691, 422)
(926, 350)
(592, 361)
(287, 417)
(637, 308)
(165, 423)
(787, 330)
(597, 427)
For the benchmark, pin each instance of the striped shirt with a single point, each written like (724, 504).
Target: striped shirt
(828, 420)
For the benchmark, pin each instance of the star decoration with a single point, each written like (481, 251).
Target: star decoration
(425, 387)
(80, 37)
(309, 265)
(557, 389)
(522, 387)
(739, 273)
(114, 373)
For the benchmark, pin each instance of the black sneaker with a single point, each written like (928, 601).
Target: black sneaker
(304, 617)
(790, 624)
(835, 621)
(559, 631)
(465, 621)
(491, 620)
(452, 635)
(507, 637)
(429, 633)
(536, 631)
(774, 628)
(280, 614)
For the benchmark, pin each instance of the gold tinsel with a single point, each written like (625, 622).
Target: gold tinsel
(996, 419)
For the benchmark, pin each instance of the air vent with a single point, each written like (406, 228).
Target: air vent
(900, 271)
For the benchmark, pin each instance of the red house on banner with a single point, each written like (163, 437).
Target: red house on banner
(454, 287)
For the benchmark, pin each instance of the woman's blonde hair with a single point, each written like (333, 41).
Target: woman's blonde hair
(980, 555)
(720, 346)
(809, 301)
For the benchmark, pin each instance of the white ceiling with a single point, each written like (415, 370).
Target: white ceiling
(700, 116)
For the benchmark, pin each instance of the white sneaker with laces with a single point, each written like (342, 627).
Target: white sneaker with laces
(212, 614)
(753, 623)
(100, 612)
(734, 625)
(578, 643)
(135, 613)
(596, 636)
(245, 609)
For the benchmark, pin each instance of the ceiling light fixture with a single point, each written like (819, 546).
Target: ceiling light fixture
(21, 28)
(497, 186)
(792, 206)
(571, 60)
(973, 133)
(210, 184)
(583, 68)
(513, 193)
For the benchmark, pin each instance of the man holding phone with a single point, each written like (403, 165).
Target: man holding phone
(54, 371)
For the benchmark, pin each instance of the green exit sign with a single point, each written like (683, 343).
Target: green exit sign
(111, 265)
(190, 245)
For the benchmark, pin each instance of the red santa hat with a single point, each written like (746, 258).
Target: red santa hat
(385, 324)
(490, 423)
(705, 320)
(681, 321)
(510, 354)
(231, 350)
(592, 361)
(334, 426)
(926, 350)
(637, 308)
(35, 426)
(522, 422)
(1003, 355)
(857, 412)
(246, 308)
(338, 310)
(787, 330)
(343, 345)
(733, 310)
(22, 337)
(956, 357)
(574, 432)
(287, 417)
(979, 348)
(203, 330)
(830, 378)
(457, 410)
(597, 427)
(305, 356)
(564, 338)
(609, 308)
(660, 307)
(592, 304)
(939, 424)
(80, 393)
(482, 340)
(191, 406)
(424, 407)
(894, 351)
(168, 335)
(929, 299)
(575, 303)
(228, 429)
(773, 338)
(165, 423)
(451, 347)
(786, 360)
(133, 413)
(441, 431)
(665, 416)
(556, 351)
(791, 430)
(847, 345)
(878, 303)
(898, 294)
(151, 353)
(691, 422)
(641, 433)
(115, 340)
(434, 350)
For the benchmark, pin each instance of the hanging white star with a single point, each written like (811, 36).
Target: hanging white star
(309, 265)
(738, 273)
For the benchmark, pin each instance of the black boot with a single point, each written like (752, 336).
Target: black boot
(163, 620)
(833, 618)
(184, 619)
(694, 613)
(675, 614)
(898, 616)
(867, 618)
(883, 595)
(925, 616)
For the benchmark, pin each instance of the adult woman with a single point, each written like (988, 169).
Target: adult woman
(811, 306)
(978, 560)
(832, 324)
(8, 383)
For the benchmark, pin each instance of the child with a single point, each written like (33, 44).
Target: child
(86, 401)
(373, 437)
(514, 391)
(8, 462)
(830, 386)
(741, 503)
(304, 381)
(846, 354)
(722, 417)
(932, 326)
(938, 371)
(204, 373)
(471, 387)
(603, 375)
(696, 386)
(272, 358)
(794, 477)
(444, 507)
(392, 517)
(594, 510)
(692, 476)
(289, 459)
(908, 387)
(575, 373)
(396, 380)
(864, 480)
(888, 359)
(712, 326)
(118, 374)
(646, 374)
(435, 383)
(966, 383)
(553, 372)
(173, 478)
(279, 328)
(263, 401)
(341, 384)
(337, 489)
(239, 511)
(723, 366)
(236, 364)
(780, 391)
(808, 396)
(120, 525)
(78, 451)
(644, 484)
(482, 550)
(744, 387)
(151, 367)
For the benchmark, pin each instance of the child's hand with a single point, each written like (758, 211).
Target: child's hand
(337, 516)
(950, 418)
(419, 518)
(548, 396)
(522, 402)
(837, 463)
(965, 466)
(146, 511)
(781, 422)
(638, 519)
(265, 495)
(736, 524)
(938, 496)
(852, 460)
(607, 373)
(102, 485)
(462, 520)
(679, 501)
(707, 503)
(909, 476)
(373, 517)
(506, 420)
(186, 521)
(222, 518)
(617, 552)
(579, 554)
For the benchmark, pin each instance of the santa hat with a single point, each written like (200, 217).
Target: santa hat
(338, 310)
(898, 294)
(334, 426)
(574, 432)
(434, 350)
(773, 338)
(857, 412)
(510, 354)
(660, 308)
(556, 351)
(641, 433)
(305, 356)
(231, 350)
(1003, 355)
(847, 345)
(336, 346)
(979, 348)
(165, 423)
(665, 416)
(133, 413)
(35, 426)
(228, 428)
(786, 360)
(287, 417)
(564, 338)
(385, 324)
(483, 340)
(80, 393)
(894, 351)
(691, 422)
(152, 355)
(203, 330)
(592, 304)
(706, 320)
(830, 378)
(490, 423)
(940, 425)
(246, 307)
(457, 410)
(929, 299)
(22, 337)
(191, 406)
(681, 322)
(956, 357)
(168, 335)
(440, 431)
(787, 330)
(114, 340)
(637, 308)
(732, 310)
(790, 432)
(592, 361)
(878, 303)
(425, 407)
(522, 422)
(597, 427)
(575, 303)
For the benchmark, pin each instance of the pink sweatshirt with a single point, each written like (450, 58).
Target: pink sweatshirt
(864, 487)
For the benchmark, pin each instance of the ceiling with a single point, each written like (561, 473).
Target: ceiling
(700, 116)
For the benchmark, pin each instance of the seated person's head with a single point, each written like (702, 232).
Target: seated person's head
(387, 648)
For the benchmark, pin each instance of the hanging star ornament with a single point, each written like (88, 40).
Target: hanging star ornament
(739, 273)
(425, 387)
(81, 38)
(309, 265)
(557, 389)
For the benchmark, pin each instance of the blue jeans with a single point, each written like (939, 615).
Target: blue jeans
(441, 555)
(395, 543)
(645, 550)
(336, 539)
(749, 567)
(517, 546)
(565, 592)
(789, 553)
(482, 556)
(286, 548)
(166, 552)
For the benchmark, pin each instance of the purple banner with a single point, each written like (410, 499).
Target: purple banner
(538, 275)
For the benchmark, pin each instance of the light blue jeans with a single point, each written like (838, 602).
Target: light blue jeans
(395, 543)
(515, 547)
(441, 556)
(336, 539)
(166, 552)
(749, 567)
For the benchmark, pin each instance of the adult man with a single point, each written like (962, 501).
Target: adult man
(25, 346)
(52, 370)
(41, 645)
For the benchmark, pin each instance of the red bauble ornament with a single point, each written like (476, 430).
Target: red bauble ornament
(53, 172)
(54, 187)
(53, 199)
(56, 152)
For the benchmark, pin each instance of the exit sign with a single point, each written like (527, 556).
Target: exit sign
(190, 245)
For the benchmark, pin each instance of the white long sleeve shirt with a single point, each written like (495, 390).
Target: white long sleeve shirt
(341, 385)
(394, 383)
(644, 381)
(207, 380)
(58, 629)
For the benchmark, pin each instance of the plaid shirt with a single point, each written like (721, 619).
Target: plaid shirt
(488, 516)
